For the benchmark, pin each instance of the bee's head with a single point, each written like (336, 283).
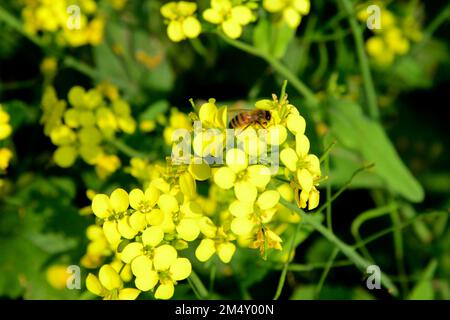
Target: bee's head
(268, 116)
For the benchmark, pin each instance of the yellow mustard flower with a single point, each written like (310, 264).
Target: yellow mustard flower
(49, 66)
(231, 18)
(390, 41)
(177, 120)
(97, 249)
(5, 127)
(291, 11)
(5, 157)
(216, 241)
(81, 129)
(74, 24)
(109, 285)
(248, 215)
(182, 23)
(105, 165)
(57, 276)
(306, 168)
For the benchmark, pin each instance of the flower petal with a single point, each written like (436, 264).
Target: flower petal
(268, 199)
(164, 256)
(119, 200)
(180, 269)
(141, 265)
(225, 251)
(147, 281)
(152, 236)
(205, 250)
(109, 278)
(164, 291)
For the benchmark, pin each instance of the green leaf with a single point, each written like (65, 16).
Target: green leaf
(271, 38)
(423, 290)
(355, 131)
(282, 36)
(159, 107)
(261, 35)
(20, 113)
(122, 57)
(34, 231)
(344, 163)
(157, 75)
(303, 292)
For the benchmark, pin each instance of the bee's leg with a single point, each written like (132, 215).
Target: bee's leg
(242, 130)
(262, 126)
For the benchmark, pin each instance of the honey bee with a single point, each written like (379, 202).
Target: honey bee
(245, 118)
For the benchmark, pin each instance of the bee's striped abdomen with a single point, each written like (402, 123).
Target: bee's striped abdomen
(237, 121)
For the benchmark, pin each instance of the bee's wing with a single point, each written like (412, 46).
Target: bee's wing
(238, 107)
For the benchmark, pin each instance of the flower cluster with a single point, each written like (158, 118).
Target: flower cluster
(229, 16)
(73, 23)
(391, 39)
(82, 127)
(5, 131)
(147, 231)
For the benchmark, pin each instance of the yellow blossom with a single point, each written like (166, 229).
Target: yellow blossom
(5, 157)
(291, 11)
(109, 285)
(231, 18)
(57, 276)
(182, 22)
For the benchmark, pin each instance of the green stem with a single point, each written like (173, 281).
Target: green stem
(342, 189)
(286, 264)
(322, 38)
(327, 151)
(194, 289)
(369, 86)
(310, 267)
(302, 88)
(325, 272)
(365, 216)
(127, 150)
(398, 249)
(200, 48)
(212, 278)
(328, 192)
(440, 19)
(347, 250)
(15, 23)
(197, 286)
(17, 85)
(386, 231)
